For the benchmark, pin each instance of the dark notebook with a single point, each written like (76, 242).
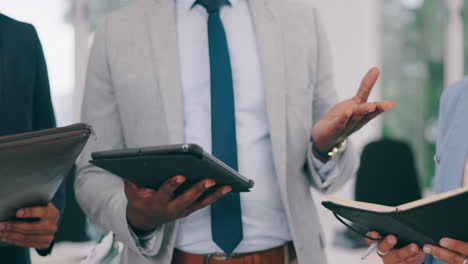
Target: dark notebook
(150, 167)
(424, 221)
(34, 164)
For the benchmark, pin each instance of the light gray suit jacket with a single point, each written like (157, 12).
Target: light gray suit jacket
(133, 99)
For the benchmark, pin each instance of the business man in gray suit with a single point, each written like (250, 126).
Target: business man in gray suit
(251, 82)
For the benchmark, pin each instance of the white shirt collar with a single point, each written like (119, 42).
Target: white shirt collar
(186, 5)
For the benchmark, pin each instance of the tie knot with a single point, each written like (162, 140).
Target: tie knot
(212, 6)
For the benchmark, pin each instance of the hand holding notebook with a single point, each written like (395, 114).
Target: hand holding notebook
(423, 224)
(424, 221)
(448, 250)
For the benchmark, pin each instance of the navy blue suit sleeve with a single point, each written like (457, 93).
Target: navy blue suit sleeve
(42, 107)
(43, 112)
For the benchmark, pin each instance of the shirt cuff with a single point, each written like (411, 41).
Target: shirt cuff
(144, 241)
(324, 169)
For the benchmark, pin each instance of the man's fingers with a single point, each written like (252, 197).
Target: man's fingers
(454, 245)
(186, 199)
(42, 227)
(53, 212)
(131, 190)
(359, 112)
(166, 191)
(417, 259)
(363, 109)
(359, 117)
(31, 241)
(387, 243)
(364, 120)
(131, 185)
(444, 254)
(208, 200)
(402, 254)
(374, 235)
(386, 105)
(34, 212)
(144, 193)
(367, 84)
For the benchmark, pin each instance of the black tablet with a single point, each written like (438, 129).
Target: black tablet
(150, 167)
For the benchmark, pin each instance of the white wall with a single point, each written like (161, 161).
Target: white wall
(353, 31)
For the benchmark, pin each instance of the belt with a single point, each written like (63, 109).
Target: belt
(279, 255)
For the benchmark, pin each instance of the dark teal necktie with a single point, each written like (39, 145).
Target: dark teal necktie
(226, 217)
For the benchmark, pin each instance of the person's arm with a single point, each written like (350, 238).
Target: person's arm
(334, 122)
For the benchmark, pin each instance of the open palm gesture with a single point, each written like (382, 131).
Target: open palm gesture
(349, 116)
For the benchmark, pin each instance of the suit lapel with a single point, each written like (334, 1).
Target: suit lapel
(271, 50)
(160, 17)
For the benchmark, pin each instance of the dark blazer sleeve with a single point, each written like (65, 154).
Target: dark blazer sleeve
(43, 113)
(43, 116)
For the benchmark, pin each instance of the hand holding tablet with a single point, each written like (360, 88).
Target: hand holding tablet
(165, 183)
(148, 208)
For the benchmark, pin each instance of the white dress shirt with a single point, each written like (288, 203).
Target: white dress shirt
(264, 219)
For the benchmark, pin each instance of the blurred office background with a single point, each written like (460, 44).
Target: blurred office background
(418, 44)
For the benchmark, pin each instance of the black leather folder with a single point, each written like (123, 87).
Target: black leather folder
(150, 167)
(34, 164)
(424, 221)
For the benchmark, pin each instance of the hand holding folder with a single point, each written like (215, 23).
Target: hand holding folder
(34, 164)
(32, 167)
(38, 233)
